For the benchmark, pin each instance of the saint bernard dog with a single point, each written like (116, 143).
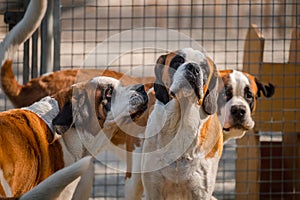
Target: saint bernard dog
(238, 94)
(30, 150)
(237, 101)
(183, 138)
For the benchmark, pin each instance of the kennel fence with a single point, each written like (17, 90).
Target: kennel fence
(264, 164)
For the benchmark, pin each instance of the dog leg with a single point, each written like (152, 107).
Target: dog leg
(133, 185)
(153, 185)
(55, 185)
(200, 192)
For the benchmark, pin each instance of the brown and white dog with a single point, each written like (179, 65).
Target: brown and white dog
(237, 101)
(183, 138)
(30, 151)
(236, 104)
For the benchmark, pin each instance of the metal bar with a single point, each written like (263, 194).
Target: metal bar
(57, 30)
(26, 53)
(26, 62)
(297, 14)
(34, 54)
(47, 40)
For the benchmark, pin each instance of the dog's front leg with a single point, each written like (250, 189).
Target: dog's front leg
(153, 185)
(201, 185)
(133, 184)
(134, 187)
(152, 180)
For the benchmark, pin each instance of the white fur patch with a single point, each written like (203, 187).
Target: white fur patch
(173, 166)
(54, 187)
(193, 55)
(5, 185)
(47, 109)
(105, 80)
(238, 81)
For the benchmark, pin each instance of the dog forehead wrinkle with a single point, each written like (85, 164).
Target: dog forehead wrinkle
(238, 81)
(193, 55)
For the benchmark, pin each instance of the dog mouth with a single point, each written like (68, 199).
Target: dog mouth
(237, 127)
(138, 102)
(135, 115)
(239, 118)
(137, 110)
(188, 91)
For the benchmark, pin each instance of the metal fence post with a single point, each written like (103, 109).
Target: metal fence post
(26, 52)
(47, 40)
(57, 30)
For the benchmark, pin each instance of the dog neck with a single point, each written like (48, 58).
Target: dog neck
(78, 143)
(47, 108)
(181, 129)
(72, 146)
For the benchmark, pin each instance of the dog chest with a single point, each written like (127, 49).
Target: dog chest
(197, 175)
(185, 169)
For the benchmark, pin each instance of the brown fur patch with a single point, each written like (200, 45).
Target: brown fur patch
(165, 76)
(27, 157)
(224, 74)
(211, 137)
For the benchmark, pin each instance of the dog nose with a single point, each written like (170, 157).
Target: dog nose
(194, 68)
(139, 88)
(238, 111)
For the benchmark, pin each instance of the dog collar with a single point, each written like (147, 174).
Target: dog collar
(205, 87)
(47, 108)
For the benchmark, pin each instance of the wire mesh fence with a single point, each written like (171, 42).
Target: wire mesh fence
(129, 36)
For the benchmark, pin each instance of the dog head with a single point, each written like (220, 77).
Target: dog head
(237, 101)
(185, 72)
(88, 105)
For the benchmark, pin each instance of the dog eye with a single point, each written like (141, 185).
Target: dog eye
(177, 61)
(248, 93)
(228, 94)
(180, 60)
(223, 94)
(106, 103)
(108, 92)
(107, 106)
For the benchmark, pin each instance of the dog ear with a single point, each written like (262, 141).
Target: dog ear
(77, 104)
(63, 121)
(210, 102)
(268, 90)
(161, 92)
